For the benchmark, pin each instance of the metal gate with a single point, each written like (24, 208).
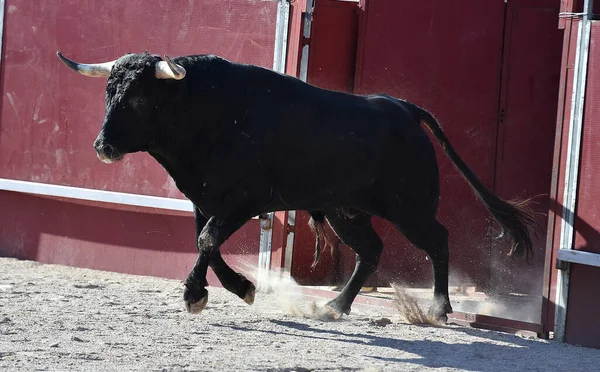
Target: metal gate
(492, 81)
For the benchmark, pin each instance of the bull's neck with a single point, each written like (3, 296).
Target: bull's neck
(181, 150)
(191, 127)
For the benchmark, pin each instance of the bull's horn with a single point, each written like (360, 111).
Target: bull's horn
(169, 70)
(92, 69)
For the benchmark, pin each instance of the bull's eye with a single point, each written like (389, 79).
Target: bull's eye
(137, 103)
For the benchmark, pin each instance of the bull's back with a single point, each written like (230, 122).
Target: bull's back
(308, 138)
(335, 142)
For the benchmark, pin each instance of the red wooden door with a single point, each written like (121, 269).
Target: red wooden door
(526, 130)
(446, 57)
(529, 99)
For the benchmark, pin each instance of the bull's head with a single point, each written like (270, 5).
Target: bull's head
(133, 100)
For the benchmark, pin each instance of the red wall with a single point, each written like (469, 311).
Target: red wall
(139, 242)
(50, 116)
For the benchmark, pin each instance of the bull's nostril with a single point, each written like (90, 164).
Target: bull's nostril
(108, 151)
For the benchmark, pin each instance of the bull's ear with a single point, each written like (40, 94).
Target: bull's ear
(169, 70)
(88, 69)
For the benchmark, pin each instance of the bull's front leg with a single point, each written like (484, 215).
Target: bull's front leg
(234, 282)
(231, 280)
(216, 231)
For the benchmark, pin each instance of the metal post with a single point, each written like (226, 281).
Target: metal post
(289, 243)
(279, 62)
(289, 248)
(572, 165)
(266, 242)
(1, 27)
(306, 33)
(281, 36)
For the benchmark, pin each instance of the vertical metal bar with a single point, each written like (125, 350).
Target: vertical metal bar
(308, 18)
(266, 238)
(572, 164)
(289, 248)
(281, 36)
(306, 33)
(289, 244)
(279, 61)
(304, 64)
(1, 27)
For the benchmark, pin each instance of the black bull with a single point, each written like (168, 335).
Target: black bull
(215, 126)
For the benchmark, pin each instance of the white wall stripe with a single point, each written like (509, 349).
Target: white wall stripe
(103, 196)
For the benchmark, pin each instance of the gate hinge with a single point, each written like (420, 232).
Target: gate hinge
(265, 222)
(304, 41)
(561, 265)
(289, 228)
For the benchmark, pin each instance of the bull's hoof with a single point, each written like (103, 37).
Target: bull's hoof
(196, 307)
(246, 290)
(195, 299)
(334, 310)
(436, 317)
(249, 298)
(328, 313)
(439, 311)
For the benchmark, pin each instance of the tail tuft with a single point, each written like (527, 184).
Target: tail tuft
(516, 217)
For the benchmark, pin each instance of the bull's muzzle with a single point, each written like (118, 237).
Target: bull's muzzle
(106, 152)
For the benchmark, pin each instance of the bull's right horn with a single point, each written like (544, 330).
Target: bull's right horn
(91, 69)
(169, 70)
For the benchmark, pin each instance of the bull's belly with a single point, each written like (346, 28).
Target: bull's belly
(320, 194)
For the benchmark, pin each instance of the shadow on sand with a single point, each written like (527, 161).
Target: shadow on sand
(492, 350)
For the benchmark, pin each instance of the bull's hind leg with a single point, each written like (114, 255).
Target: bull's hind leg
(432, 237)
(356, 232)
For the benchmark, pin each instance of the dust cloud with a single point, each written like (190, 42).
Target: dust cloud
(289, 296)
(464, 297)
(409, 308)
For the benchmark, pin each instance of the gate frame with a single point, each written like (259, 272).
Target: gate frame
(298, 48)
(567, 161)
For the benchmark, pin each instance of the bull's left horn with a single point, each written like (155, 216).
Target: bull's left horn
(91, 69)
(169, 70)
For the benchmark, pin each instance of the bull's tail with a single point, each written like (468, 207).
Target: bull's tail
(514, 216)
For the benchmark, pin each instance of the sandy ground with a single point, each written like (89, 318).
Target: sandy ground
(61, 318)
